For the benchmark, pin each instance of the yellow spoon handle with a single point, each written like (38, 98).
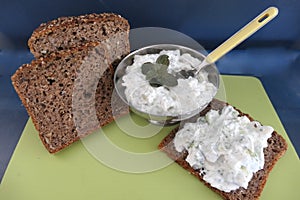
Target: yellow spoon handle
(254, 25)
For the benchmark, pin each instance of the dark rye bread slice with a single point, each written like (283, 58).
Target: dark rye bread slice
(68, 94)
(67, 32)
(277, 146)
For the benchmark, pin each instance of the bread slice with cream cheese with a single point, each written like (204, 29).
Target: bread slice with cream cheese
(276, 148)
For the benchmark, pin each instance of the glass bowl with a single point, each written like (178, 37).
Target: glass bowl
(161, 119)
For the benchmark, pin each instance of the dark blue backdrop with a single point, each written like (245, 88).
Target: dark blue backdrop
(208, 21)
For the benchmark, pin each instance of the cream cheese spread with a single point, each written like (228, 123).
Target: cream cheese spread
(225, 147)
(189, 95)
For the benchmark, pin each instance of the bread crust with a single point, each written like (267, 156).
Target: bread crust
(64, 22)
(277, 146)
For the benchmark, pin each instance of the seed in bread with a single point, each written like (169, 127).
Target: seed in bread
(275, 149)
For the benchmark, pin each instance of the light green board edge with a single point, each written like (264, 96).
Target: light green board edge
(34, 174)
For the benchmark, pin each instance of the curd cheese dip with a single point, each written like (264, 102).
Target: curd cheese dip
(225, 147)
(190, 93)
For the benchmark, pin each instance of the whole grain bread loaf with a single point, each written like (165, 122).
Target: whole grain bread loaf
(67, 32)
(276, 148)
(68, 94)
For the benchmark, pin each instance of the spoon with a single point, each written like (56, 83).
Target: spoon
(253, 26)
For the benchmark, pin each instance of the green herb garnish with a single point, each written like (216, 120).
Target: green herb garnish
(157, 73)
(163, 59)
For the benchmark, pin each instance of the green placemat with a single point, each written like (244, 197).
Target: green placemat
(75, 173)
